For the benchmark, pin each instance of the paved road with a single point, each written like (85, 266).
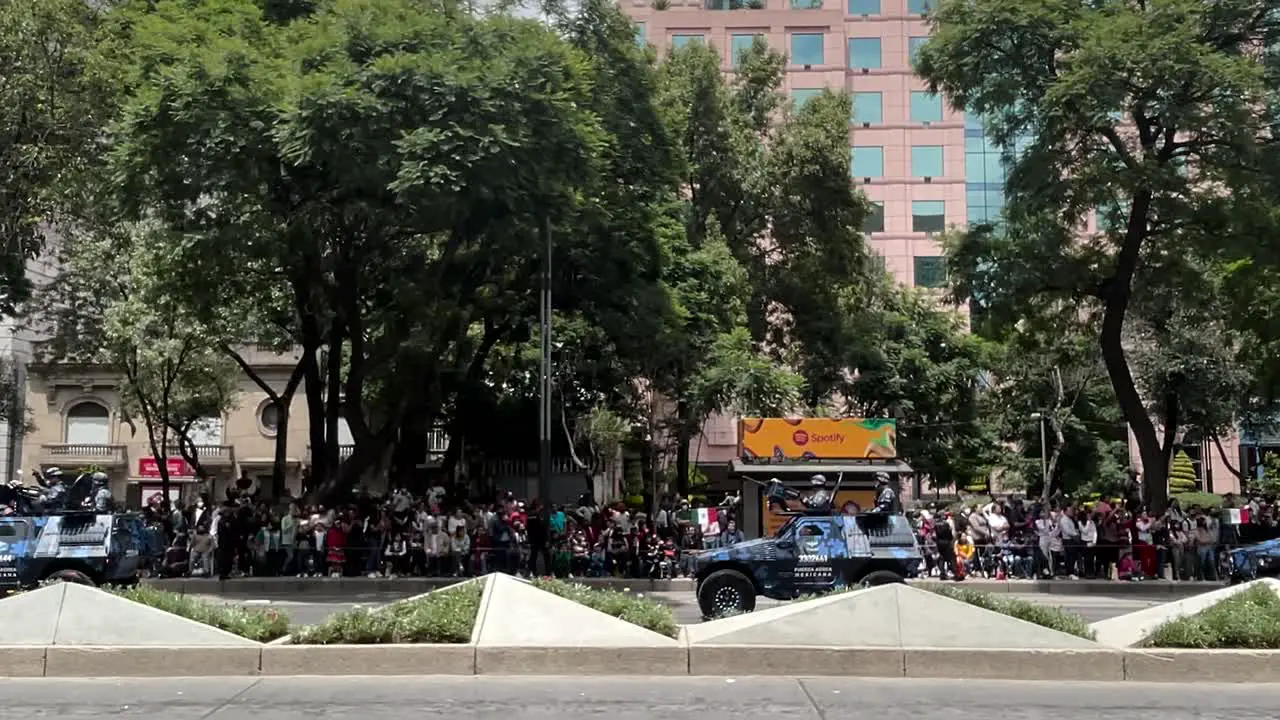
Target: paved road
(641, 698)
(311, 609)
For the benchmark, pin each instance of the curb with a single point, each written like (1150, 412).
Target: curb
(1161, 589)
(1101, 665)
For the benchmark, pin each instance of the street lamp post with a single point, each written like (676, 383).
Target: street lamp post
(544, 369)
(1044, 455)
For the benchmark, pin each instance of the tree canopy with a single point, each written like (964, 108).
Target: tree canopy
(1130, 120)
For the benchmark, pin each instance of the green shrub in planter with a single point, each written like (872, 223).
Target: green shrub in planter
(1182, 474)
(258, 624)
(1054, 618)
(1248, 620)
(1198, 499)
(441, 617)
(646, 613)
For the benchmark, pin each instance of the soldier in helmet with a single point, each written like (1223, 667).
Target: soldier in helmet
(886, 496)
(819, 498)
(55, 489)
(102, 500)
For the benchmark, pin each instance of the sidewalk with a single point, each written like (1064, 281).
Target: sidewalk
(1159, 589)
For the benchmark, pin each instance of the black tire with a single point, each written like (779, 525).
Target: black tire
(880, 577)
(70, 576)
(726, 592)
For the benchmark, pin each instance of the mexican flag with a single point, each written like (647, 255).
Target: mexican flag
(704, 517)
(1235, 516)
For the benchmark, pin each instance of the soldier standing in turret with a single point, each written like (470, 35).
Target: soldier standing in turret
(886, 496)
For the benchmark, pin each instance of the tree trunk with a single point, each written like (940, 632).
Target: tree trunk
(313, 387)
(1116, 295)
(1172, 420)
(1217, 441)
(1055, 455)
(363, 457)
(333, 400)
(684, 439)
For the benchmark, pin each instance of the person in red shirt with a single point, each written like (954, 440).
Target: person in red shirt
(335, 540)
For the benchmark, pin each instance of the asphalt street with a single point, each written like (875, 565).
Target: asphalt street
(641, 698)
(311, 609)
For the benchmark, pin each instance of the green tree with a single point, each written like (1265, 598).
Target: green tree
(373, 160)
(1048, 369)
(1141, 111)
(54, 95)
(769, 207)
(106, 308)
(911, 359)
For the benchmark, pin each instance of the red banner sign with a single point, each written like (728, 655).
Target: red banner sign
(178, 468)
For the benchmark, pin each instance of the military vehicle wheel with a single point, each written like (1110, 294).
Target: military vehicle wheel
(880, 577)
(69, 576)
(726, 592)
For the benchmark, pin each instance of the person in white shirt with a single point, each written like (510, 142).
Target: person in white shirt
(1046, 529)
(1069, 531)
(1089, 537)
(435, 544)
(457, 520)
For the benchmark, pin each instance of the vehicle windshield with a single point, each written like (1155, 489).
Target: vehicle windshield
(786, 527)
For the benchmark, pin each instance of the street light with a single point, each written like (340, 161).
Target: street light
(1044, 456)
(544, 369)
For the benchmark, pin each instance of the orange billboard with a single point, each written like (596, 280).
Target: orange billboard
(781, 439)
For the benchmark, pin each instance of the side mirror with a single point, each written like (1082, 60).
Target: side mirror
(786, 544)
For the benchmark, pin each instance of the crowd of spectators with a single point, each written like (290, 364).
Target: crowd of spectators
(431, 535)
(437, 534)
(1011, 538)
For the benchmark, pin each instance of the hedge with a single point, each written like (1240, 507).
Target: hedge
(1248, 620)
(258, 624)
(444, 617)
(635, 609)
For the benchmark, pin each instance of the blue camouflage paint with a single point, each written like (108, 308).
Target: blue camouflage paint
(1252, 561)
(95, 544)
(819, 552)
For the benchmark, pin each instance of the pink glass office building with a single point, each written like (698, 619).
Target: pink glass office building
(925, 165)
(913, 156)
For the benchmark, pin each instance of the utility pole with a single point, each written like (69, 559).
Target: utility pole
(1044, 453)
(544, 370)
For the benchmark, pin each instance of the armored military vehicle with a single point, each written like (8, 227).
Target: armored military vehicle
(81, 547)
(817, 550)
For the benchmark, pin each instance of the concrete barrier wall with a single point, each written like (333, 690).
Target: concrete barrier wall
(1163, 590)
(1103, 665)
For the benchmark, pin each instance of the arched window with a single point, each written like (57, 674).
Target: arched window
(88, 423)
(206, 432)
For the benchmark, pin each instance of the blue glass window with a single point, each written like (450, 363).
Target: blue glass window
(806, 48)
(864, 7)
(874, 221)
(739, 44)
(926, 161)
(864, 53)
(800, 96)
(868, 107)
(866, 161)
(919, 7)
(679, 41)
(640, 30)
(913, 47)
(928, 216)
(925, 107)
(806, 4)
(930, 271)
